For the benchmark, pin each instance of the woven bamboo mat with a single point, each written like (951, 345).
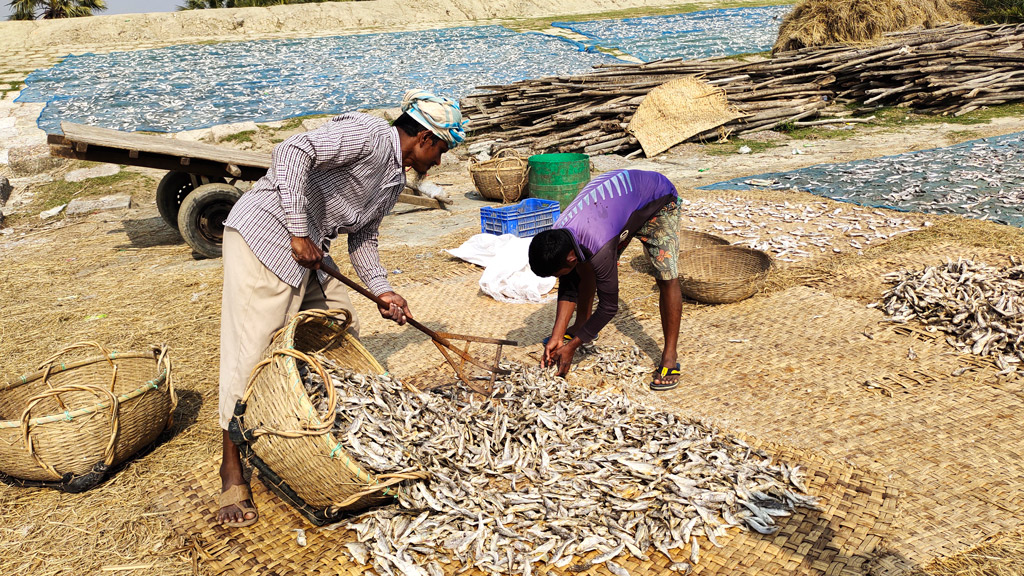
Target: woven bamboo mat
(840, 539)
(819, 372)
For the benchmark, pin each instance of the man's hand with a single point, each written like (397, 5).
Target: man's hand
(397, 310)
(306, 253)
(560, 356)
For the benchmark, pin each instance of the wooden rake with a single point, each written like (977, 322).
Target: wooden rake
(456, 357)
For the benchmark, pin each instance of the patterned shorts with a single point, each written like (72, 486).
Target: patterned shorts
(660, 237)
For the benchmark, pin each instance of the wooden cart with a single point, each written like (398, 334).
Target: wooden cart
(198, 191)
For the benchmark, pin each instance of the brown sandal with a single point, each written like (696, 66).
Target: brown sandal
(237, 496)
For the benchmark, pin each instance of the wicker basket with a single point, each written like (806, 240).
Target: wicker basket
(66, 425)
(691, 239)
(503, 177)
(280, 433)
(722, 274)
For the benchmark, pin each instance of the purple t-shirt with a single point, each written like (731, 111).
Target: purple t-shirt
(606, 214)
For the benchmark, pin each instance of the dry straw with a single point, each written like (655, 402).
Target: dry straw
(826, 22)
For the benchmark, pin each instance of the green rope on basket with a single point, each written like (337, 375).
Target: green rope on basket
(335, 450)
(67, 416)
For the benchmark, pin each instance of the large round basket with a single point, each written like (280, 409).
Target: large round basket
(691, 239)
(503, 177)
(280, 433)
(67, 424)
(722, 274)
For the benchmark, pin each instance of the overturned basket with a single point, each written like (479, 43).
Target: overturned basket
(503, 177)
(690, 239)
(722, 274)
(66, 425)
(280, 432)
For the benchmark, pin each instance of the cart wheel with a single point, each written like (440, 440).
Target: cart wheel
(171, 191)
(202, 215)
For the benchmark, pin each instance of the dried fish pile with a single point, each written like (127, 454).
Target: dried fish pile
(547, 473)
(979, 307)
(949, 70)
(792, 231)
(981, 179)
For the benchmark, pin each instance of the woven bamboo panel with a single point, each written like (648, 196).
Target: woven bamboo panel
(677, 110)
(857, 509)
(808, 369)
(816, 371)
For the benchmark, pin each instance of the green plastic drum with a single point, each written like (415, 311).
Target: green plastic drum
(558, 177)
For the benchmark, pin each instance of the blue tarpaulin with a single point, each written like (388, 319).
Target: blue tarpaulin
(704, 34)
(194, 86)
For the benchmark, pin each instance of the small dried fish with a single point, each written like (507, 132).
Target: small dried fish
(517, 478)
(980, 307)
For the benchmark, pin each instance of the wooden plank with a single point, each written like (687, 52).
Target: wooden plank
(196, 166)
(421, 201)
(105, 137)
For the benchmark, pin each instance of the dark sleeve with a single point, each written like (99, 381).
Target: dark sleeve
(606, 278)
(569, 286)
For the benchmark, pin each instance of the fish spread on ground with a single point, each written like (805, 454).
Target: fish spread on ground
(979, 307)
(545, 472)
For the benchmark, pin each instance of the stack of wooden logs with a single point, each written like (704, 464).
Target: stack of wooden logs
(949, 70)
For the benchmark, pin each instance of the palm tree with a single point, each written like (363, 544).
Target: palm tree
(47, 9)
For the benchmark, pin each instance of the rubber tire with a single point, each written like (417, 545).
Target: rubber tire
(171, 192)
(202, 214)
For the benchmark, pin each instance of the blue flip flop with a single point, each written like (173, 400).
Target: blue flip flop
(660, 374)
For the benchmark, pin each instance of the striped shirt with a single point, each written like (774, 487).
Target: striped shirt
(341, 178)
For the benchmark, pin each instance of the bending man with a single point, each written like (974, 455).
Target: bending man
(341, 178)
(583, 248)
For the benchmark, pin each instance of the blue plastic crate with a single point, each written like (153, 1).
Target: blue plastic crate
(524, 219)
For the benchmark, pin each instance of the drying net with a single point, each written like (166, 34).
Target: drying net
(194, 86)
(981, 179)
(695, 35)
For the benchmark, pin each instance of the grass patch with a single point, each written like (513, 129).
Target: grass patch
(733, 146)
(295, 122)
(963, 135)
(15, 86)
(893, 119)
(53, 194)
(243, 136)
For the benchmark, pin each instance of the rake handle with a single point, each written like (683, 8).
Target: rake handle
(333, 272)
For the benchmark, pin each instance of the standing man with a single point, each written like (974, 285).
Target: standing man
(341, 178)
(583, 248)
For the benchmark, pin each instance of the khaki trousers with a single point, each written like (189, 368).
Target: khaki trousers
(256, 303)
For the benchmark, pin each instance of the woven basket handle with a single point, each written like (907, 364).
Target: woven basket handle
(327, 418)
(389, 480)
(163, 359)
(102, 393)
(50, 362)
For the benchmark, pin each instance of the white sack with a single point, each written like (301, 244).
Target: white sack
(507, 276)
